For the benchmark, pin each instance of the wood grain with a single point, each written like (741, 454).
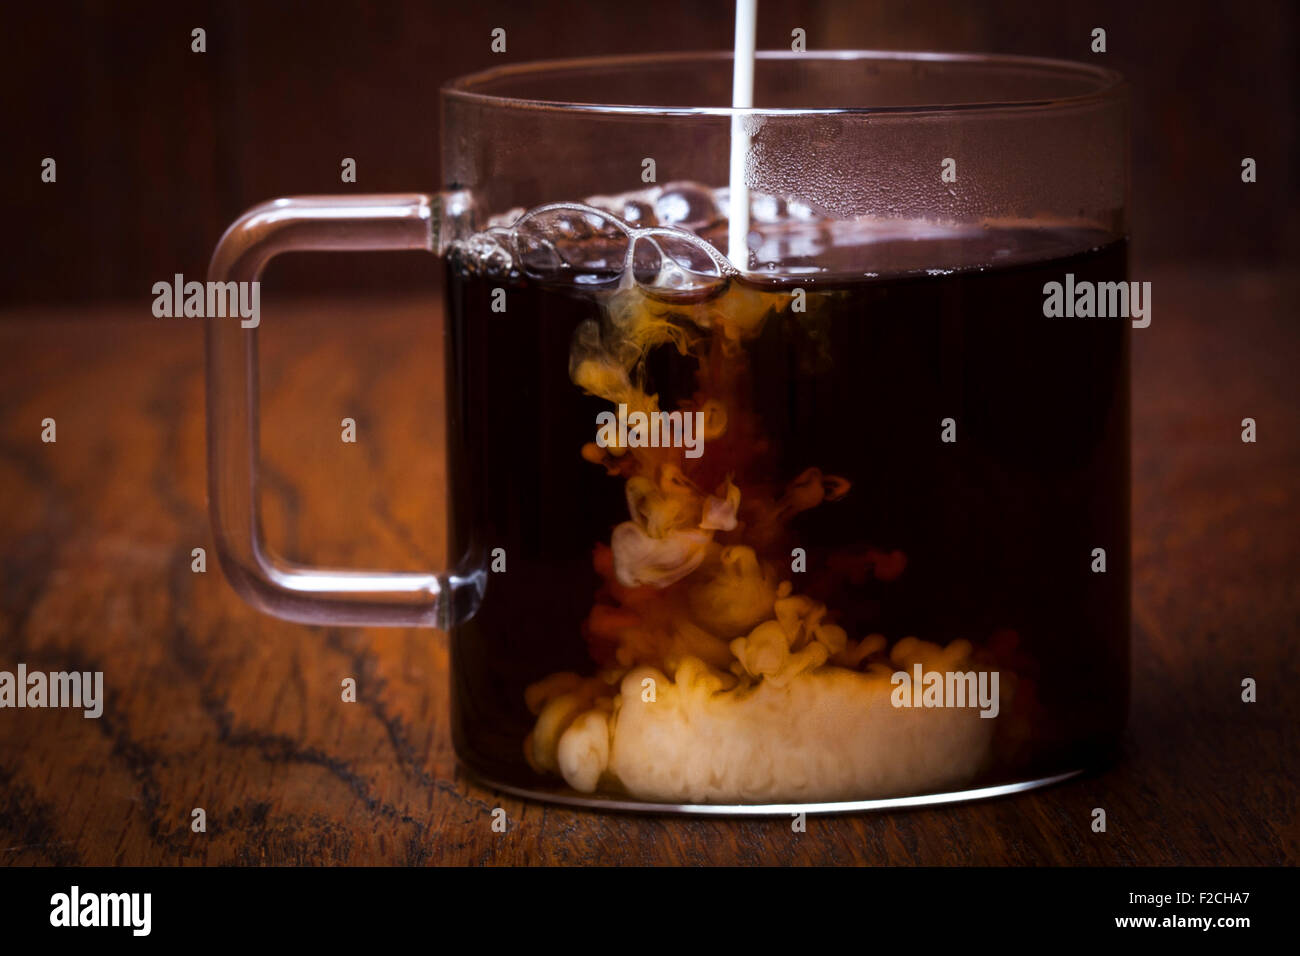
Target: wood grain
(211, 705)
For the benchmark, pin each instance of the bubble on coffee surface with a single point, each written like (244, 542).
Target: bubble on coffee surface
(670, 240)
(645, 238)
(682, 226)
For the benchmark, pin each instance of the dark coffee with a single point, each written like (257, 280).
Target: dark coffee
(906, 472)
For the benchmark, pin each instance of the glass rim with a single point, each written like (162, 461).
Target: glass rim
(1109, 84)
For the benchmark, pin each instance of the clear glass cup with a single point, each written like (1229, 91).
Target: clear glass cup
(867, 544)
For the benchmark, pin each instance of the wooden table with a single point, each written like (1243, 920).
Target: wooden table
(212, 705)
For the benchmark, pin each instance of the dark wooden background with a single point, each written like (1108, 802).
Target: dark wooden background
(212, 705)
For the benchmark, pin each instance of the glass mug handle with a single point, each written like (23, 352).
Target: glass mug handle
(294, 592)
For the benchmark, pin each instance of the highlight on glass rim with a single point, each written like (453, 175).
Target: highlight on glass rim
(759, 435)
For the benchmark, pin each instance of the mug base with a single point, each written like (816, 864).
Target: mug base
(618, 804)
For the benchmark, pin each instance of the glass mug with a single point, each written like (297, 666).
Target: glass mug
(845, 527)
